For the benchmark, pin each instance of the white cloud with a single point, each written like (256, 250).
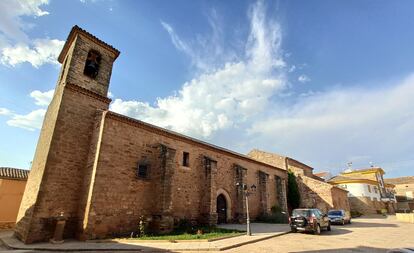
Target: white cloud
(15, 45)
(42, 98)
(220, 97)
(43, 51)
(334, 127)
(11, 11)
(5, 111)
(304, 79)
(33, 120)
(30, 121)
(206, 52)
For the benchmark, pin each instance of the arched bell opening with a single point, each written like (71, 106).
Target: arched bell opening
(92, 64)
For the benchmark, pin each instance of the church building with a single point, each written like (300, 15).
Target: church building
(102, 171)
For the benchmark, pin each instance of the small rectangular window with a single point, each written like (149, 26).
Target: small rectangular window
(186, 159)
(369, 188)
(142, 171)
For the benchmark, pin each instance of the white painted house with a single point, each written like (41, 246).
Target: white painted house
(367, 191)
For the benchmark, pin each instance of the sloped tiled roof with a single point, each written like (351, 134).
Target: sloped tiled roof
(321, 174)
(13, 173)
(364, 170)
(77, 30)
(400, 180)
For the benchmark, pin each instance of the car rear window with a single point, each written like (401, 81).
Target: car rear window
(299, 212)
(335, 213)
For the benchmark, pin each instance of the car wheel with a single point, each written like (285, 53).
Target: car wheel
(317, 230)
(293, 230)
(329, 227)
(343, 222)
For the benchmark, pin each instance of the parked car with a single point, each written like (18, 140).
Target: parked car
(309, 220)
(404, 250)
(339, 217)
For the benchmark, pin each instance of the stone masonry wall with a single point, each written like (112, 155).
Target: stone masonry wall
(64, 166)
(55, 183)
(119, 197)
(321, 195)
(365, 205)
(24, 218)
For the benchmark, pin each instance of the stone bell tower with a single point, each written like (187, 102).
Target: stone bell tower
(56, 180)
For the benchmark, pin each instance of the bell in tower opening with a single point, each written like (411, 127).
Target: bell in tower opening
(92, 64)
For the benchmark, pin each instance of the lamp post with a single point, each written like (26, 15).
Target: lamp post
(247, 192)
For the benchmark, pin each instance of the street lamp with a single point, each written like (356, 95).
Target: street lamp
(247, 192)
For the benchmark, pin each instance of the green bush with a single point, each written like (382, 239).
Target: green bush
(184, 225)
(276, 216)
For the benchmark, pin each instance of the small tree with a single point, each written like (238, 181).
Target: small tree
(293, 196)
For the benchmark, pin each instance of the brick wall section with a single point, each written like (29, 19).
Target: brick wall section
(299, 168)
(116, 207)
(207, 203)
(87, 158)
(282, 162)
(340, 199)
(314, 193)
(61, 158)
(64, 165)
(76, 62)
(365, 205)
(321, 195)
(24, 218)
(269, 158)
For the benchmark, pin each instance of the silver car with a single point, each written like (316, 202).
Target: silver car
(339, 217)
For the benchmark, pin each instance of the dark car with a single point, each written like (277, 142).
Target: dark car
(339, 217)
(404, 250)
(309, 220)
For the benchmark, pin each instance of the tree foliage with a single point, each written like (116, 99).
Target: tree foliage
(293, 196)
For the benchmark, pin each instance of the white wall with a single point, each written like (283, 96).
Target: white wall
(361, 190)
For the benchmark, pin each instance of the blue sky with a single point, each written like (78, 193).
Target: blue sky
(325, 82)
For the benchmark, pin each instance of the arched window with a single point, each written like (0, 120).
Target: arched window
(92, 64)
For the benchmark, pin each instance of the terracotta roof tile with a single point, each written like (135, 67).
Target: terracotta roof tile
(13, 173)
(77, 30)
(400, 180)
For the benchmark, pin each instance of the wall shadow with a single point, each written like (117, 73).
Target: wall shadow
(371, 225)
(336, 231)
(343, 250)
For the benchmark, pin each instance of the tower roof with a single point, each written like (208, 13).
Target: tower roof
(77, 30)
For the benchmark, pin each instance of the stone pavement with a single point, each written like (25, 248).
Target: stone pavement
(260, 232)
(370, 234)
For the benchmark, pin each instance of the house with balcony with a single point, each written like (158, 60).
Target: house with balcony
(404, 192)
(367, 191)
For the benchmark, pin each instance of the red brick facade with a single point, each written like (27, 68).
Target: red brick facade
(314, 192)
(104, 171)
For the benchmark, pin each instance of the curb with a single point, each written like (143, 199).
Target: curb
(133, 241)
(252, 241)
(10, 246)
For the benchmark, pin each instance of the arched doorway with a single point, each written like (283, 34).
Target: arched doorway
(221, 209)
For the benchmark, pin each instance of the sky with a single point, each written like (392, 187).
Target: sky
(324, 82)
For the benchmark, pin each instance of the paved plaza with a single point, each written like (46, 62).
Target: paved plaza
(363, 235)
